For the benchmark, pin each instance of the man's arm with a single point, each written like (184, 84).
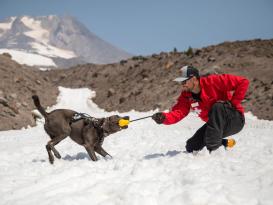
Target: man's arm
(237, 84)
(180, 110)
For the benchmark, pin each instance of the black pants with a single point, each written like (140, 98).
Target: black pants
(223, 121)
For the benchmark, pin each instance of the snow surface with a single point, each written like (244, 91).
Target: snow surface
(149, 164)
(52, 51)
(30, 59)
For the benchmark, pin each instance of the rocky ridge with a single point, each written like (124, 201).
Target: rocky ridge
(141, 83)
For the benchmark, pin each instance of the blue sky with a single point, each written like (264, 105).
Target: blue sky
(144, 27)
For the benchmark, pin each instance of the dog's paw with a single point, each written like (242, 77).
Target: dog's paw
(51, 160)
(57, 154)
(108, 157)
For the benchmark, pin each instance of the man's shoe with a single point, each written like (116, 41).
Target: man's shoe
(228, 143)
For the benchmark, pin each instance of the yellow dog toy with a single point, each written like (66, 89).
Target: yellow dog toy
(126, 120)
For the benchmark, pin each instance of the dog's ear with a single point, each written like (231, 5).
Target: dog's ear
(126, 118)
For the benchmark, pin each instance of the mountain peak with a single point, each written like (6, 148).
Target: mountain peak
(59, 38)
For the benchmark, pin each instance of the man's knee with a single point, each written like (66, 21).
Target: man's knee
(189, 147)
(194, 145)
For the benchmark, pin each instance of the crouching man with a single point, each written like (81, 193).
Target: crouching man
(217, 100)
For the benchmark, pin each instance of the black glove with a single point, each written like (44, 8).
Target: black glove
(158, 117)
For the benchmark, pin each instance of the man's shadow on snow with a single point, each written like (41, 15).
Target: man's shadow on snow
(158, 155)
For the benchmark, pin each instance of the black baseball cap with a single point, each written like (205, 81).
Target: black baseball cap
(186, 73)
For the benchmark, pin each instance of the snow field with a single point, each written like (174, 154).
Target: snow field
(149, 164)
(30, 59)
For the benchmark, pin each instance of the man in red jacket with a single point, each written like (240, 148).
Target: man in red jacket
(217, 101)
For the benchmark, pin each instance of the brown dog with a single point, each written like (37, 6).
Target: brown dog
(86, 131)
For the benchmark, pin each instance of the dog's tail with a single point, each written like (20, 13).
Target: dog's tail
(38, 105)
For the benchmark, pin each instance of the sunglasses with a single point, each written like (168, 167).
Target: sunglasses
(185, 81)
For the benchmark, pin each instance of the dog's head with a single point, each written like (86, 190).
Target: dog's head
(111, 124)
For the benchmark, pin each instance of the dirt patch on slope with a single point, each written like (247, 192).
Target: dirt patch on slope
(17, 84)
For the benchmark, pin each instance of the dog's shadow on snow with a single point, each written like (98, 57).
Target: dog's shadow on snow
(79, 156)
(158, 155)
(85, 156)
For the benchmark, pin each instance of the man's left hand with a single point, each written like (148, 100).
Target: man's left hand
(158, 117)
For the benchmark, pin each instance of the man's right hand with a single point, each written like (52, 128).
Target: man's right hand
(158, 117)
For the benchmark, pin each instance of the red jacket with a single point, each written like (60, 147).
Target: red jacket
(214, 88)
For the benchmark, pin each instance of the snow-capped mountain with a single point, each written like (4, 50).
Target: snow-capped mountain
(55, 41)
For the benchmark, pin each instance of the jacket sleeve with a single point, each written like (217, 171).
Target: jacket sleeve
(180, 110)
(237, 84)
